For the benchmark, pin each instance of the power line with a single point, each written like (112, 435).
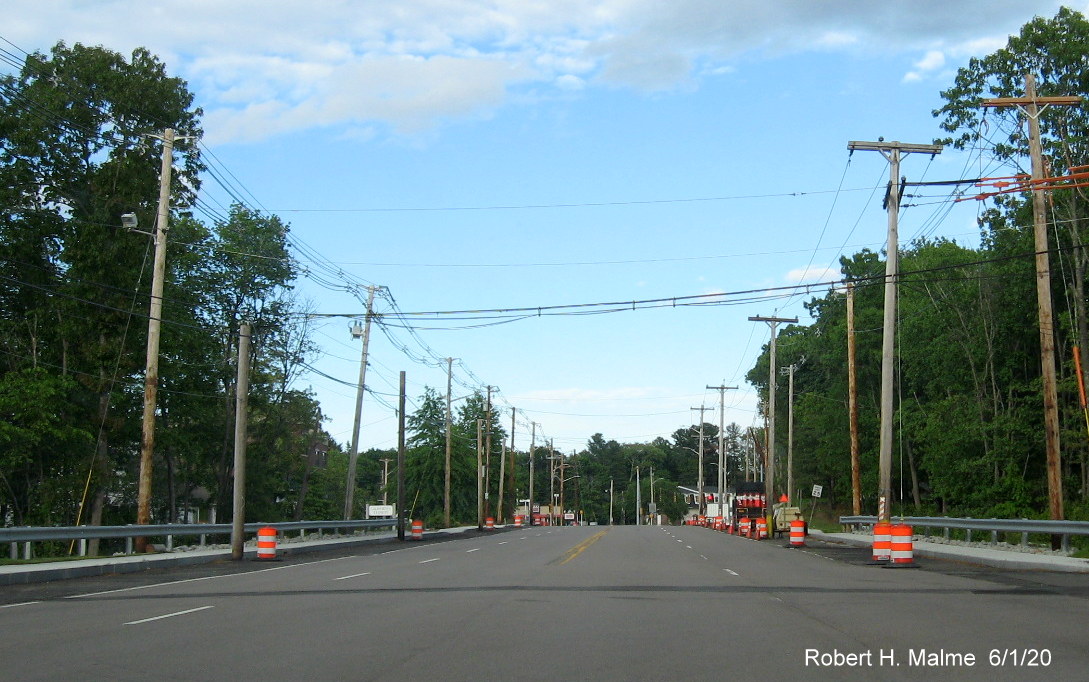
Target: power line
(588, 204)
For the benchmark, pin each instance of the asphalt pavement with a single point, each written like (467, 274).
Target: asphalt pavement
(588, 603)
(978, 554)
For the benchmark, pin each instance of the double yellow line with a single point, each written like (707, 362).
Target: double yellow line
(581, 547)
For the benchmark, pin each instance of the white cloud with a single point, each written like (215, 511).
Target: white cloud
(570, 82)
(932, 61)
(812, 274)
(266, 67)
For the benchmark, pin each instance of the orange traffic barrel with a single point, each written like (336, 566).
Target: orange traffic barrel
(417, 530)
(901, 547)
(743, 527)
(266, 543)
(489, 523)
(882, 543)
(761, 528)
(797, 533)
(517, 520)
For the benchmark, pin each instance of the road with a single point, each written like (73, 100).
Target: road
(587, 603)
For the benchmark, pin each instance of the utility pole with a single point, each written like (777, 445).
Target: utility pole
(721, 443)
(699, 484)
(551, 484)
(852, 402)
(154, 323)
(510, 468)
(638, 499)
(892, 151)
(1032, 106)
(502, 478)
(610, 501)
(449, 442)
(385, 479)
(532, 447)
(488, 454)
(241, 408)
(479, 477)
(563, 506)
(353, 453)
(769, 474)
(790, 369)
(401, 461)
(652, 510)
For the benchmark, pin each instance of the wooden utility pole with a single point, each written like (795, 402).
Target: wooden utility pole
(703, 501)
(241, 409)
(721, 443)
(401, 460)
(488, 454)
(499, 511)
(790, 369)
(852, 402)
(1032, 106)
(449, 442)
(551, 483)
(385, 479)
(479, 477)
(353, 453)
(769, 475)
(510, 467)
(154, 323)
(532, 447)
(892, 151)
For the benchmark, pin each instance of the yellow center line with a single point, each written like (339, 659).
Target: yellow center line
(581, 547)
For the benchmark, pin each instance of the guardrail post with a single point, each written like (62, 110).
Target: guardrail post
(968, 535)
(13, 551)
(945, 533)
(203, 539)
(28, 553)
(1024, 539)
(1066, 543)
(128, 545)
(83, 546)
(994, 537)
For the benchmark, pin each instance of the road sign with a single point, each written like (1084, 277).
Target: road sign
(817, 490)
(379, 510)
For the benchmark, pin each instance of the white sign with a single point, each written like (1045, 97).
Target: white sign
(817, 490)
(379, 510)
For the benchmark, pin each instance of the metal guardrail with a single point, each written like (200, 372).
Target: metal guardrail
(995, 526)
(27, 534)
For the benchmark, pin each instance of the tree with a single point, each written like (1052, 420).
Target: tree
(74, 156)
(1053, 51)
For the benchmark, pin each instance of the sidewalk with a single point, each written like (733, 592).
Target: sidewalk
(975, 554)
(16, 574)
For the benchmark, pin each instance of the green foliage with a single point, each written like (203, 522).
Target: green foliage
(76, 152)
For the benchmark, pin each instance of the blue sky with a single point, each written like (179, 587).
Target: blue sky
(516, 153)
